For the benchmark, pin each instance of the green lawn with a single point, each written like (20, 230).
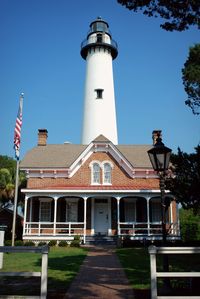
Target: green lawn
(63, 265)
(136, 263)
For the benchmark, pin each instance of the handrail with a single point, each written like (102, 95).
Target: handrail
(44, 250)
(153, 250)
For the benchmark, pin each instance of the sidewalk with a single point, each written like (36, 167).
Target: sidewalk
(100, 276)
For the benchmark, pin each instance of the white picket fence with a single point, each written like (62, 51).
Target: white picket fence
(153, 251)
(44, 250)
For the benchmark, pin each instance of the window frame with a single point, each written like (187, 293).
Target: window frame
(42, 216)
(105, 182)
(93, 171)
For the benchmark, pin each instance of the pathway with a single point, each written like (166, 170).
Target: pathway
(100, 276)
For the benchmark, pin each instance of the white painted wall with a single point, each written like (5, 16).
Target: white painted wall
(99, 116)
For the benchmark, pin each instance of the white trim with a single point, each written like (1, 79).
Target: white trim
(93, 191)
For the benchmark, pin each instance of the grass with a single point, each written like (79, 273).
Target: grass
(63, 265)
(136, 263)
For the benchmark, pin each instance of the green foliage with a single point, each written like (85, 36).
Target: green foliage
(75, 243)
(63, 244)
(180, 15)
(8, 163)
(191, 78)
(8, 242)
(190, 226)
(29, 243)
(42, 243)
(5, 177)
(52, 243)
(7, 180)
(185, 180)
(19, 243)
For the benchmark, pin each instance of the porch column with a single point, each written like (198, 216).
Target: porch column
(31, 209)
(148, 215)
(55, 215)
(25, 213)
(85, 218)
(118, 216)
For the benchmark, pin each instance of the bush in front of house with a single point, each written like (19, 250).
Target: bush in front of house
(75, 242)
(63, 243)
(42, 243)
(19, 243)
(8, 242)
(52, 243)
(29, 243)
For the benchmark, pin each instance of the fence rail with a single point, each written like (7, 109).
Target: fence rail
(44, 250)
(51, 228)
(153, 251)
(149, 229)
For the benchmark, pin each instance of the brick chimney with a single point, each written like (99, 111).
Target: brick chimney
(42, 137)
(155, 135)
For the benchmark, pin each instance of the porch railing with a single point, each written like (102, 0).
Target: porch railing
(51, 228)
(141, 229)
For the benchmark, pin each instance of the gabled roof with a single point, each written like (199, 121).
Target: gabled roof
(64, 155)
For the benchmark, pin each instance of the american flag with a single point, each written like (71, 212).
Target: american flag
(18, 125)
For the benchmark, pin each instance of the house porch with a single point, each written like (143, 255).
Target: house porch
(60, 217)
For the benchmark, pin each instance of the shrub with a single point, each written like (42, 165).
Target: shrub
(75, 243)
(29, 243)
(77, 237)
(19, 243)
(52, 243)
(63, 244)
(8, 243)
(42, 243)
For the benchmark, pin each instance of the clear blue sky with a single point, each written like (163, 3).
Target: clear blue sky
(40, 56)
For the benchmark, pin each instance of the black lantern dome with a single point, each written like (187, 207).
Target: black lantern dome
(99, 36)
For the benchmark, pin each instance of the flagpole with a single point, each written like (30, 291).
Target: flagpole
(17, 140)
(15, 203)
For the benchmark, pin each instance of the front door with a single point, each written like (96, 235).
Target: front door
(101, 218)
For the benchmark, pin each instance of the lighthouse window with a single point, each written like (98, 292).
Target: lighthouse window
(99, 38)
(99, 93)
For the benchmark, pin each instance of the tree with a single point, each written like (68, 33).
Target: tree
(190, 225)
(184, 182)
(7, 180)
(180, 15)
(191, 78)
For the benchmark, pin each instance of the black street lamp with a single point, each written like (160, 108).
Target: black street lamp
(159, 156)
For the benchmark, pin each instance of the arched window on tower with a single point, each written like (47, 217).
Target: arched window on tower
(107, 173)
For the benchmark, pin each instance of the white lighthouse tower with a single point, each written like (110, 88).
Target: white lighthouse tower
(99, 116)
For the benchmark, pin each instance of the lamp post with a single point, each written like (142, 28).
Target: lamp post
(159, 156)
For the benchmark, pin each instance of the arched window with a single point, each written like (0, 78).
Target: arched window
(95, 173)
(107, 173)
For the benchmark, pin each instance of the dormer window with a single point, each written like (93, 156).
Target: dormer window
(96, 170)
(107, 173)
(99, 93)
(101, 172)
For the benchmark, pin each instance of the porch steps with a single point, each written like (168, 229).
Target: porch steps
(101, 240)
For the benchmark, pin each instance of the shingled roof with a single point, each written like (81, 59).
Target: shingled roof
(63, 155)
(52, 155)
